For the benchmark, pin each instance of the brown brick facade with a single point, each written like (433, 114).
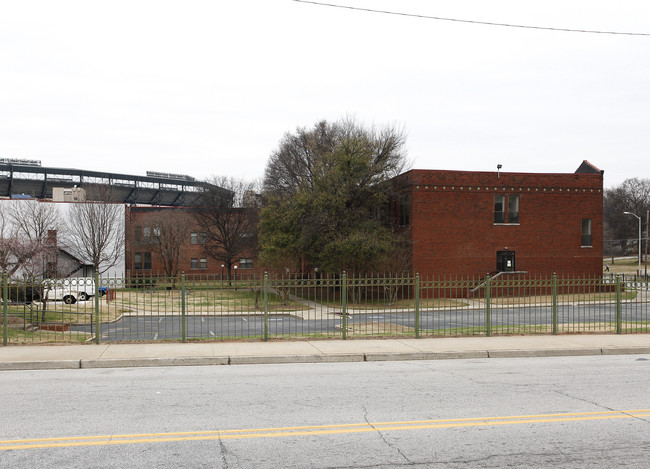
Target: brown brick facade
(454, 233)
(193, 259)
(449, 218)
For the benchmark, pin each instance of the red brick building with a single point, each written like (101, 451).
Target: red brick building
(472, 223)
(144, 225)
(459, 223)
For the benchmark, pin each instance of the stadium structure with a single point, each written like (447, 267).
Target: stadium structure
(28, 179)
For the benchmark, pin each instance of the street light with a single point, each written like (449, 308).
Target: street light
(222, 266)
(235, 267)
(638, 218)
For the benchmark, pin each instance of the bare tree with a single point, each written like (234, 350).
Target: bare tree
(24, 244)
(34, 222)
(303, 157)
(96, 229)
(18, 254)
(632, 195)
(34, 219)
(164, 233)
(26, 249)
(229, 219)
(30, 258)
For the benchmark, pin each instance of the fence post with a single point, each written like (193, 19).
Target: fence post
(417, 306)
(344, 305)
(554, 295)
(488, 308)
(5, 299)
(266, 306)
(97, 318)
(183, 331)
(619, 325)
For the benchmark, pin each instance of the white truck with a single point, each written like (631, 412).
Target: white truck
(71, 290)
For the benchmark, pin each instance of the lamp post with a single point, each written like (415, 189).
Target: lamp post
(638, 218)
(235, 267)
(222, 266)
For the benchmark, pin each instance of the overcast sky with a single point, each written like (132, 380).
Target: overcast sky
(209, 87)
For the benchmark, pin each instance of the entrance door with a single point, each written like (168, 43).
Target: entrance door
(506, 261)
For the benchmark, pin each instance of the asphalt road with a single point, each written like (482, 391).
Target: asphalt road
(570, 412)
(217, 326)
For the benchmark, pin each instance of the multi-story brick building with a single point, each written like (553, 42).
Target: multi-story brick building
(470, 224)
(459, 224)
(147, 226)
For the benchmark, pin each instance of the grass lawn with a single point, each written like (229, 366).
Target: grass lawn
(21, 332)
(524, 329)
(388, 329)
(627, 265)
(603, 297)
(197, 301)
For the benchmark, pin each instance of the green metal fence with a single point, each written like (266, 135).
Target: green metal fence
(267, 307)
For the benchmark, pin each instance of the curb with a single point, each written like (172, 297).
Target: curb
(375, 357)
(545, 353)
(41, 365)
(330, 358)
(626, 350)
(148, 362)
(279, 359)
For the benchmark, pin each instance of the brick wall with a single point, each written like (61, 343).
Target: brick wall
(453, 231)
(137, 217)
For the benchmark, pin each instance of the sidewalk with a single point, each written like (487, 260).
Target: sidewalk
(109, 355)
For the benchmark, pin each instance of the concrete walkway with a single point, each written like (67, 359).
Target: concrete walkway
(111, 355)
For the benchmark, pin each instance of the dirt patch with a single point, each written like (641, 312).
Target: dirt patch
(376, 327)
(15, 323)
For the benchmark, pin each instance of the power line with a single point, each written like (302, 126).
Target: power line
(488, 23)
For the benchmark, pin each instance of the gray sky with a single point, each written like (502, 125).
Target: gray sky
(209, 87)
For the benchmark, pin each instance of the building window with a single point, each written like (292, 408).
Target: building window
(142, 261)
(404, 211)
(151, 235)
(586, 232)
(196, 263)
(395, 213)
(197, 238)
(245, 263)
(511, 210)
(499, 209)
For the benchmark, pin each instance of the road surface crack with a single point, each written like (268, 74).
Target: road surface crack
(383, 438)
(566, 394)
(222, 449)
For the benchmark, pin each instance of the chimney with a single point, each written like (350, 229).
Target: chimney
(51, 237)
